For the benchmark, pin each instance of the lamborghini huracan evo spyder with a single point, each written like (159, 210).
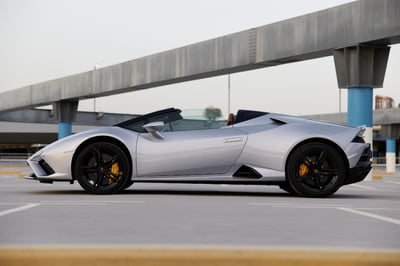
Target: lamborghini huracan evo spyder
(303, 157)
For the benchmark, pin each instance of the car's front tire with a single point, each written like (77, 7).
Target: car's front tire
(315, 170)
(102, 168)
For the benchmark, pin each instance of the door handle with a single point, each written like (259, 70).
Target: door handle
(233, 139)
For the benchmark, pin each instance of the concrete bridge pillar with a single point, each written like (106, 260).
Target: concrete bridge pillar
(360, 69)
(65, 113)
(391, 155)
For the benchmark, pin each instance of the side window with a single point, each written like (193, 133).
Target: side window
(199, 120)
(167, 118)
(210, 118)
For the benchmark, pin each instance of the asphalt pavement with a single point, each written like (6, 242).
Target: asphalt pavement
(361, 216)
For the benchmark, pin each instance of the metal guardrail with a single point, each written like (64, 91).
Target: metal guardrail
(14, 156)
(381, 161)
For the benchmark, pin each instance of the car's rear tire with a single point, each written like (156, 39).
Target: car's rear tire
(102, 168)
(315, 170)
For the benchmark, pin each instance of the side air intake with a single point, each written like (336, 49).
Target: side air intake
(277, 121)
(247, 172)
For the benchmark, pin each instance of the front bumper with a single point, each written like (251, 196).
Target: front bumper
(44, 172)
(361, 169)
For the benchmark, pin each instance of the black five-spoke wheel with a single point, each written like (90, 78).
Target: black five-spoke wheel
(315, 170)
(102, 168)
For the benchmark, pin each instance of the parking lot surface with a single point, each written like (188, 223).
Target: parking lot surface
(360, 216)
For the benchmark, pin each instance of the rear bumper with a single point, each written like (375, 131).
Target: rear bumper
(361, 169)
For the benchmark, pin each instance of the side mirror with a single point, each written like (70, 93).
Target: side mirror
(154, 129)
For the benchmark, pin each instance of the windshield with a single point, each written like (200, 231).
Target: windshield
(176, 120)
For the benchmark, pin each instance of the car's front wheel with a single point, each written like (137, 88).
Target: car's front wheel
(315, 170)
(102, 168)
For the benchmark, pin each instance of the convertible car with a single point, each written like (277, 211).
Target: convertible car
(304, 157)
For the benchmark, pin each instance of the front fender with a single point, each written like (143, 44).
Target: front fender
(59, 154)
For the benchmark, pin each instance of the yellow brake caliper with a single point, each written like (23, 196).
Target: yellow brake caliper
(303, 168)
(114, 172)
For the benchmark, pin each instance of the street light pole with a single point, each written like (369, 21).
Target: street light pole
(229, 94)
(93, 80)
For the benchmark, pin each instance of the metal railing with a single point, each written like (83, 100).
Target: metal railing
(381, 161)
(14, 156)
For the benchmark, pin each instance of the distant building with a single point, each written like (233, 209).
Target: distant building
(384, 102)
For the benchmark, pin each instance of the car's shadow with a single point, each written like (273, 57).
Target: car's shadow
(167, 192)
(204, 192)
(193, 192)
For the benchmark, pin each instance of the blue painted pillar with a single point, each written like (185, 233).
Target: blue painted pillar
(64, 129)
(360, 112)
(361, 68)
(65, 112)
(359, 106)
(391, 155)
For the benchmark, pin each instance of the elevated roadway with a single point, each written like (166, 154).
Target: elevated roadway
(366, 22)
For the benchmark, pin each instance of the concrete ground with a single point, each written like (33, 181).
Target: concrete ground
(360, 216)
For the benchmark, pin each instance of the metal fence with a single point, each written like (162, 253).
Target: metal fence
(14, 156)
(381, 161)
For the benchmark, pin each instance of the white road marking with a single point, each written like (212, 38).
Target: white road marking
(308, 206)
(75, 203)
(392, 182)
(14, 203)
(379, 217)
(270, 204)
(364, 187)
(311, 207)
(71, 202)
(87, 201)
(22, 208)
(379, 209)
(338, 207)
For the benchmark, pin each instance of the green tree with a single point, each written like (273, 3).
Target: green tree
(212, 113)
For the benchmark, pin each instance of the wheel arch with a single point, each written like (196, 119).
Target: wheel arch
(107, 139)
(318, 140)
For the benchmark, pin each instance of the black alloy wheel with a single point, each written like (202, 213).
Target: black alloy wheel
(315, 170)
(102, 168)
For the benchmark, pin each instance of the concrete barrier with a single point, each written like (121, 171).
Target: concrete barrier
(176, 256)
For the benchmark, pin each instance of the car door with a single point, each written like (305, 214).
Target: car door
(194, 152)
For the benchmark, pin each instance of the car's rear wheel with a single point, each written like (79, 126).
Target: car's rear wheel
(315, 170)
(102, 168)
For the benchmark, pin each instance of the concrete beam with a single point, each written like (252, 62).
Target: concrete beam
(41, 116)
(361, 66)
(306, 37)
(380, 117)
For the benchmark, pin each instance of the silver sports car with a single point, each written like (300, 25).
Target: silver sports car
(303, 157)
